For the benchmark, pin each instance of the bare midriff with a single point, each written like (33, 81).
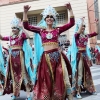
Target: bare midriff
(50, 47)
(80, 48)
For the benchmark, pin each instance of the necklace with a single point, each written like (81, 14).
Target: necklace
(14, 41)
(49, 35)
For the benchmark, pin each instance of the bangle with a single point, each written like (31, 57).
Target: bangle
(25, 20)
(71, 16)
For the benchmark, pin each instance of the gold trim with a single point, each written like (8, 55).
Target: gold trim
(50, 43)
(12, 74)
(49, 64)
(16, 47)
(25, 20)
(80, 48)
(71, 16)
(63, 72)
(22, 62)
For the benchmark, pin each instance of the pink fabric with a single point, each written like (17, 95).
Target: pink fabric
(56, 32)
(18, 40)
(82, 41)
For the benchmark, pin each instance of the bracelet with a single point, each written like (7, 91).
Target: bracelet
(71, 16)
(25, 20)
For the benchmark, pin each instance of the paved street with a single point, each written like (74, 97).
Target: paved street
(96, 78)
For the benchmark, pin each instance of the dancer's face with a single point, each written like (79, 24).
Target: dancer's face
(15, 30)
(49, 20)
(83, 28)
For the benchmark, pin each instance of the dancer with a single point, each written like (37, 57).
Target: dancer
(53, 82)
(19, 71)
(97, 55)
(80, 59)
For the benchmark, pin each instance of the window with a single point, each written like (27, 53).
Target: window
(33, 20)
(61, 18)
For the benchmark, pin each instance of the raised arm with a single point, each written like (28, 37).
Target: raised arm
(23, 30)
(81, 25)
(25, 21)
(96, 30)
(72, 20)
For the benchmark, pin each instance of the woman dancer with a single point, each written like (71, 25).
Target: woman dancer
(81, 54)
(53, 82)
(18, 70)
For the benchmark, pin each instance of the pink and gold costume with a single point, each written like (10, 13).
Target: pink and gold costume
(97, 60)
(16, 70)
(54, 68)
(83, 75)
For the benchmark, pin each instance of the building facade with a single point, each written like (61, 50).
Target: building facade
(93, 12)
(10, 8)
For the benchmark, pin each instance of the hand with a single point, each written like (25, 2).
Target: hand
(26, 8)
(96, 21)
(83, 18)
(68, 6)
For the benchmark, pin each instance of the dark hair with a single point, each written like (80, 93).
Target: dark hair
(49, 16)
(16, 28)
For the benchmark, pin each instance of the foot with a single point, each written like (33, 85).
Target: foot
(1, 93)
(94, 93)
(13, 97)
(1, 90)
(78, 96)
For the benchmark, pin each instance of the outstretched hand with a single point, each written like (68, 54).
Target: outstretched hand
(96, 21)
(26, 8)
(68, 6)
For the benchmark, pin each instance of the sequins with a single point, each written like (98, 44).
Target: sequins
(15, 53)
(54, 56)
(49, 36)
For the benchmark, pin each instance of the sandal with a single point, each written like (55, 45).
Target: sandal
(78, 96)
(13, 97)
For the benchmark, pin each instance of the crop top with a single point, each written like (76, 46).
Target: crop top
(52, 36)
(17, 41)
(81, 41)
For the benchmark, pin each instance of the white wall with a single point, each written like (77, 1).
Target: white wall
(8, 12)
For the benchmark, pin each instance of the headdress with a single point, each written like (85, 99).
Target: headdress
(49, 11)
(78, 23)
(15, 22)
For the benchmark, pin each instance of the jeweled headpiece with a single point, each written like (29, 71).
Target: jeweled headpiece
(49, 11)
(78, 23)
(15, 22)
